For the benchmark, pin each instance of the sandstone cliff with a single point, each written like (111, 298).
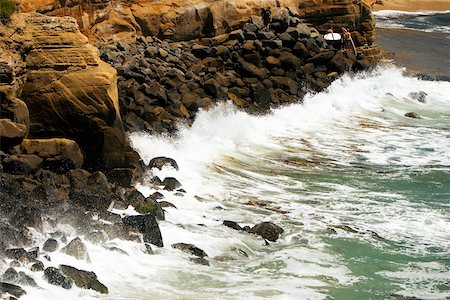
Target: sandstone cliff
(68, 90)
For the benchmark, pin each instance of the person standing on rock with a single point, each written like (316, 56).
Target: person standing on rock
(266, 14)
(348, 46)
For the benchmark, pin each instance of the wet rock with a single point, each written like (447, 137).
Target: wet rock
(419, 96)
(189, 248)
(17, 253)
(77, 249)
(55, 276)
(267, 230)
(167, 204)
(413, 115)
(97, 237)
(124, 177)
(12, 289)
(50, 245)
(151, 206)
(27, 215)
(232, 224)
(199, 260)
(148, 226)
(34, 252)
(171, 183)
(83, 279)
(159, 162)
(37, 267)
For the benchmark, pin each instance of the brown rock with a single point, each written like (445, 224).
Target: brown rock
(58, 154)
(11, 134)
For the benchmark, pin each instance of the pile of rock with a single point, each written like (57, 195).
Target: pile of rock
(162, 83)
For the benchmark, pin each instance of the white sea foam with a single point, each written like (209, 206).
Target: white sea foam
(299, 167)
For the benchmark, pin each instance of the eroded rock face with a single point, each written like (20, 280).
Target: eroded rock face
(69, 91)
(188, 19)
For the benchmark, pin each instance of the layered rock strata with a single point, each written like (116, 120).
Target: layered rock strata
(68, 90)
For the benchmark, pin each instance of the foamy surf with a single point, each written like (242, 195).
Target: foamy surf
(360, 190)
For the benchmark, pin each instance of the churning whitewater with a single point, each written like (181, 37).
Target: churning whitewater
(362, 192)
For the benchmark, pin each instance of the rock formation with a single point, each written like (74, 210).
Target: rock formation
(68, 90)
(188, 19)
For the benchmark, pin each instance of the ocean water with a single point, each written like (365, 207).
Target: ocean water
(427, 21)
(362, 192)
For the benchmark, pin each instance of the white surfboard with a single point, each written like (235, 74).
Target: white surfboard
(332, 36)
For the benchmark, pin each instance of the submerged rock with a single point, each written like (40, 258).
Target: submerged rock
(267, 230)
(189, 248)
(413, 115)
(84, 279)
(419, 96)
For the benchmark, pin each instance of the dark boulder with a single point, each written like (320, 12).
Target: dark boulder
(148, 226)
(55, 276)
(267, 230)
(413, 115)
(159, 162)
(170, 183)
(83, 279)
(232, 224)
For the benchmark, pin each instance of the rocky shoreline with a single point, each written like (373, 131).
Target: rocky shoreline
(66, 108)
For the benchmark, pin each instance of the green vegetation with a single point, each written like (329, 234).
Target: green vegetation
(7, 7)
(145, 208)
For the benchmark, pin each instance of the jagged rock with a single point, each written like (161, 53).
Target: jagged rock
(267, 230)
(147, 225)
(189, 248)
(77, 249)
(92, 191)
(171, 183)
(159, 162)
(83, 279)
(17, 253)
(11, 134)
(55, 276)
(12, 289)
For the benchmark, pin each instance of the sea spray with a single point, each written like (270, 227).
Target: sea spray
(360, 190)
